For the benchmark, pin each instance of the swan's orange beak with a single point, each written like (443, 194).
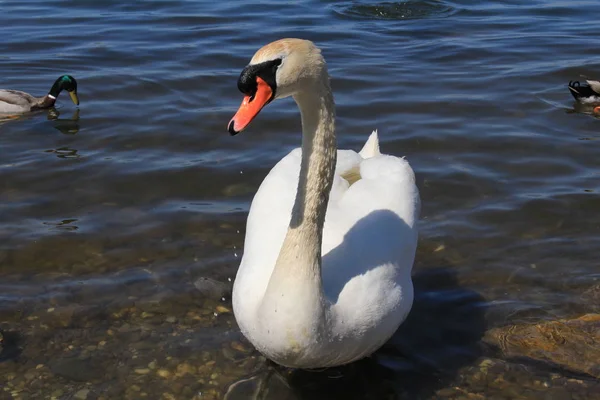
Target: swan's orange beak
(251, 106)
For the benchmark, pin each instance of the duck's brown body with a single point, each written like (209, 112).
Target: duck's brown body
(15, 101)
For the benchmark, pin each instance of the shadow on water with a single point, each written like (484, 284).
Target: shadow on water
(10, 345)
(441, 335)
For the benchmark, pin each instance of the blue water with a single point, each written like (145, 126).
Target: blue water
(120, 205)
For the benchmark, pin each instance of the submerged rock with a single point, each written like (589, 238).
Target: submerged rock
(592, 297)
(212, 289)
(572, 344)
(493, 378)
(75, 369)
(82, 394)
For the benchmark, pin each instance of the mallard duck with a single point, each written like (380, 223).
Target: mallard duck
(16, 102)
(331, 236)
(587, 94)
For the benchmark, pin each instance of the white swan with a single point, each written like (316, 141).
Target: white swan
(326, 274)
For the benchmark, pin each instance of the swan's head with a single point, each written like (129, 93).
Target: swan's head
(279, 69)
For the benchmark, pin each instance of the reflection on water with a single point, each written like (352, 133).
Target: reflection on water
(65, 225)
(584, 109)
(64, 152)
(68, 126)
(6, 118)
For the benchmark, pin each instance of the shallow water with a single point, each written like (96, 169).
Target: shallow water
(110, 213)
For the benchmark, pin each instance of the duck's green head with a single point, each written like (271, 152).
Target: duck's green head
(68, 83)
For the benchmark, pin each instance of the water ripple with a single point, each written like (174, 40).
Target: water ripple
(395, 10)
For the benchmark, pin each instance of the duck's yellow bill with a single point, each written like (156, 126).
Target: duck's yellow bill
(74, 98)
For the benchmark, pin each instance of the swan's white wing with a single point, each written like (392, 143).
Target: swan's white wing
(369, 245)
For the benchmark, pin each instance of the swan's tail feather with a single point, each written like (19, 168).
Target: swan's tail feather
(371, 148)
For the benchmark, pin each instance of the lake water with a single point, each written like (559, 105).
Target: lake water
(109, 214)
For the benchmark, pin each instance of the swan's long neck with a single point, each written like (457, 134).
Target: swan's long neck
(319, 153)
(295, 285)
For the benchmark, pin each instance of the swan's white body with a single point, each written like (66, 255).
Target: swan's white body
(307, 311)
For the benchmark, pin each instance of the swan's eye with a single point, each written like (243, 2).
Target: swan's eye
(265, 70)
(276, 64)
